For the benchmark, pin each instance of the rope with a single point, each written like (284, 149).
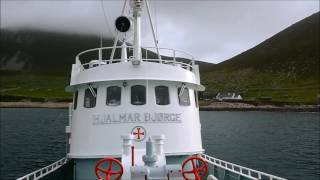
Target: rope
(156, 20)
(106, 19)
(124, 7)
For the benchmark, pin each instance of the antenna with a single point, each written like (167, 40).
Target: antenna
(101, 43)
(136, 5)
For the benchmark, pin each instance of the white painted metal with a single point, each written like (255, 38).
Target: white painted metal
(158, 142)
(126, 72)
(137, 8)
(40, 173)
(124, 52)
(154, 164)
(89, 140)
(211, 177)
(240, 170)
(170, 53)
(126, 156)
(168, 70)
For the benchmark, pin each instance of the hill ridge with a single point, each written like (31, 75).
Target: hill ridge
(287, 60)
(284, 67)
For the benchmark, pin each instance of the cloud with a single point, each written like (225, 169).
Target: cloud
(211, 30)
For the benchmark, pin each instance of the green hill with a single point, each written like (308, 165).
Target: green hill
(35, 65)
(43, 52)
(284, 67)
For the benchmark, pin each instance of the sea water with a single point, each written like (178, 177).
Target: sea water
(281, 143)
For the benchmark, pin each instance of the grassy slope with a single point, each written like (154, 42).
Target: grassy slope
(284, 67)
(19, 86)
(48, 57)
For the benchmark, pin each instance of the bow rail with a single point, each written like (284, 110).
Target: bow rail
(239, 170)
(40, 173)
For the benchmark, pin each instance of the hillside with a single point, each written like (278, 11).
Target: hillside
(43, 52)
(284, 67)
(35, 65)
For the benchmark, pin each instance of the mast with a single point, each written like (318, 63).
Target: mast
(136, 5)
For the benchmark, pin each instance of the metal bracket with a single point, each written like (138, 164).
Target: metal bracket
(91, 90)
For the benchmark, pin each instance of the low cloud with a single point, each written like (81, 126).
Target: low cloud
(210, 30)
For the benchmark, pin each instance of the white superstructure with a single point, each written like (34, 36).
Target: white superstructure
(138, 92)
(178, 121)
(146, 78)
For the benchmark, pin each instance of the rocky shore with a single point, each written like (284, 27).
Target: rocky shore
(52, 105)
(237, 106)
(215, 106)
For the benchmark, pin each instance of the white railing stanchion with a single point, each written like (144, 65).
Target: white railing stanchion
(100, 56)
(146, 54)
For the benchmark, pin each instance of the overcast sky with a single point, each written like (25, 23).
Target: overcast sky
(212, 31)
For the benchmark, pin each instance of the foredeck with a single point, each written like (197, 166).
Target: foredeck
(221, 169)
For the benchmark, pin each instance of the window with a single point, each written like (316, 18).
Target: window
(196, 98)
(113, 96)
(138, 95)
(75, 100)
(90, 98)
(183, 96)
(162, 95)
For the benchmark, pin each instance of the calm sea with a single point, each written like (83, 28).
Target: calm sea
(284, 144)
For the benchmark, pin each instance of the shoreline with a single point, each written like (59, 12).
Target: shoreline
(216, 106)
(49, 105)
(240, 106)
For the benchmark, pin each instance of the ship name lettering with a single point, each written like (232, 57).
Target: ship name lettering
(123, 118)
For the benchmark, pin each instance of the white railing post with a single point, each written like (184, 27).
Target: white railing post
(146, 54)
(100, 56)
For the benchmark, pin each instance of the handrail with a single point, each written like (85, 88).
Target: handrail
(172, 54)
(95, 49)
(147, 48)
(240, 170)
(44, 171)
(173, 50)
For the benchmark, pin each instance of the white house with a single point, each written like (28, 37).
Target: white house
(229, 97)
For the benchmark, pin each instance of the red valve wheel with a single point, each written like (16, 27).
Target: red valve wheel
(108, 171)
(198, 172)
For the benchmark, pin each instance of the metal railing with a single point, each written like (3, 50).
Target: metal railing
(168, 56)
(40, 173)
(239, 170)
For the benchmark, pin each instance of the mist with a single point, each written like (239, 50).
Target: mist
(212, 31)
